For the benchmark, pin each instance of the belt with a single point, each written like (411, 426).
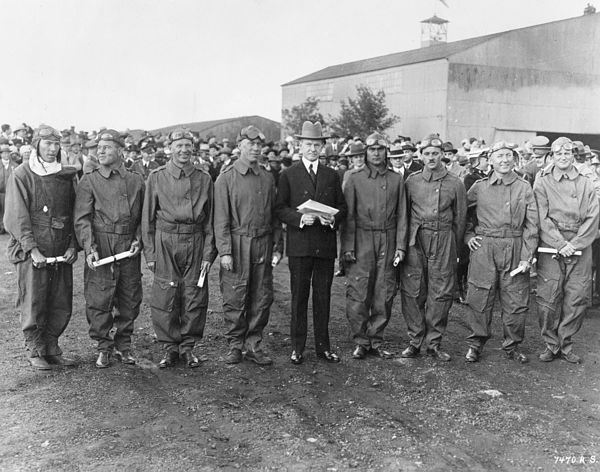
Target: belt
(498, 232)
(50, 222)
(179, 228)
(370, 227)
(435, 225)
(252, 232)
(124, 228)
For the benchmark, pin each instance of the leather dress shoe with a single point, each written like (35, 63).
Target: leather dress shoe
(518, 356)
(472, 355)
(60, 360)
(329, 356)
(39, 363)
(437, 352)
(191, 360)
(547, 356)
(234, 356)
(103, 360)
(258, 357)
(168, 360)
(571, 357)
(381, 352)
(359, 352)
(296, 358)
(410, 352)
(125, 357)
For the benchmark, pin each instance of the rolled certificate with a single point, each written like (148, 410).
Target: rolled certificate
(55, 260)
(551, 250)
(110, 259)
(516, 271)
(201, 279)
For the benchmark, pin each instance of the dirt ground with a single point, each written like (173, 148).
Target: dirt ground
(375, 414)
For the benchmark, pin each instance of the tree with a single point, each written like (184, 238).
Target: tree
(294, 118)
(364, 114)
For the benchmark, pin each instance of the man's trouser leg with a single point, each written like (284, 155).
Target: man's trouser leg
(359, 288)
(514, 301)
(576, 298)
(260, 294)
(384, 286)
(129, 297)
(481, 294)
(99, 291)
(549, 298)
(234, 289)
(44, 298)
(441, 273)
(301, 270)
(322, 278)
(414, 293)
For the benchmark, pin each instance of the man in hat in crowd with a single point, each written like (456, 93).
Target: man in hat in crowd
(454, 167)
(311, 240)
(131, 155)
(374, 237)
(502, 237)
(146, 164)
(90, 161)
(205, 163)
(177, 232)
(408, 159)
(437, 212)
(582, 164)
(39, 217)
(479, 164)
(6, 169)
(357, 154)
(568, 212)
(275, 165)
(395, 158)
(333, 146)
(223, 159)
(108, 214)
(245, 229)
(539, 146)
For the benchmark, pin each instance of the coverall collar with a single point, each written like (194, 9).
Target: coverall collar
(176, 171)
(243, 168)
(506, 180)
(437, 174)
(105, 171)
(561, 174)
(374, 171)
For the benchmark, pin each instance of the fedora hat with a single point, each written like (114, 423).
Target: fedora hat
(356, 150)
(312, 131)
(396, 150)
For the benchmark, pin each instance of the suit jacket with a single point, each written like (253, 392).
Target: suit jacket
(140, 168)
(413, 167)
(295, 188)
(330, 151)
(4, 174)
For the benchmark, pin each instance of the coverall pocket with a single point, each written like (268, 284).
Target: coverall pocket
(410, 283)
(547, 288)
(163, 294)
(478, 294)
(356, 288)
(99, 293)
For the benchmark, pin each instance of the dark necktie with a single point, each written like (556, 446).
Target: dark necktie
(313, 176)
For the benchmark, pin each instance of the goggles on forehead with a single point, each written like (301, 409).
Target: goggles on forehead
(251, 133)
(49, 133)
(376, 142)
(567, 146)
(434, 142)
(503, 145)
(175, 135)
(108, 137)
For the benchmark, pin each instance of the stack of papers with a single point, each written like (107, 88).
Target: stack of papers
(315, 208)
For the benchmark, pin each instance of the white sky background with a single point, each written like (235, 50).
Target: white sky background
(153, 63)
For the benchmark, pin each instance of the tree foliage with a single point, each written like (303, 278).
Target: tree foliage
(294, 118)
(364, 114)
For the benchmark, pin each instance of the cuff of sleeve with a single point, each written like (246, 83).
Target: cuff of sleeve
(28, 245)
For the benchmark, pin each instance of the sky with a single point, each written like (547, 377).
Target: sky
(153, 63)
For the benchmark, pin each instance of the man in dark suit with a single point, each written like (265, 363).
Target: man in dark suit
(145, 165)
(311, 240)
(6, 169)
(410, 165)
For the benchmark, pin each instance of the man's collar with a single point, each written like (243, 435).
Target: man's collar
(243, 168)
(176, 171)
(106, 171)
(571, 174)
(375, 171)
(435, 174)
(308, 163)
(506, 179)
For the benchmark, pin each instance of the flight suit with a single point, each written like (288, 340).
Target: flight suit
(108, 214)
(177, 233)
(39, 213)
(436, 203)
(506, 219)
(375, 227)
(244, 227)
(568, 212)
